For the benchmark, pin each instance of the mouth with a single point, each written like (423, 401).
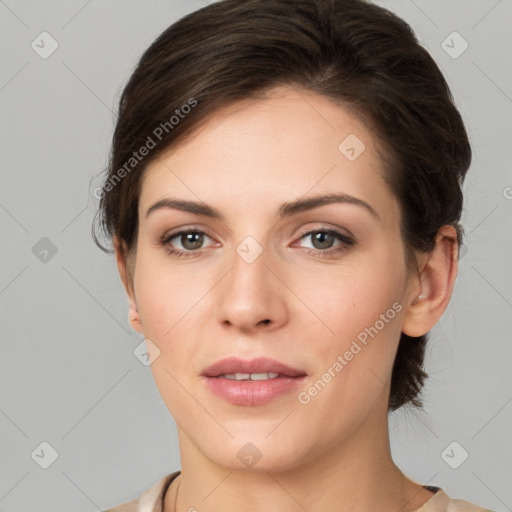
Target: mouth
(255, 369)
(251, 382)
(250, 376)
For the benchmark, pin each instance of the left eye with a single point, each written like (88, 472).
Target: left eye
(322, 241)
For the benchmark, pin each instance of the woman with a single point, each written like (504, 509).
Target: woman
(283, 199)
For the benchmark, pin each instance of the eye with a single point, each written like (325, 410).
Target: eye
(323, 242)
(189, 242)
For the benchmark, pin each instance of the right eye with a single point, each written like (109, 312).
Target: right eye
(191, 241)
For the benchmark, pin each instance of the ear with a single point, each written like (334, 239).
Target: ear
(125, 268)
(431, 289)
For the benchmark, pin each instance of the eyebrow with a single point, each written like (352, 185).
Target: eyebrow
(285, 210)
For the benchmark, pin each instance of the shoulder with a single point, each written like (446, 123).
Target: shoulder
(150, 500)
(456, 505)
(441, 502)
(131, 506)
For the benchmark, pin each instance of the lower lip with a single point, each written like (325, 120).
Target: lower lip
(252, 392)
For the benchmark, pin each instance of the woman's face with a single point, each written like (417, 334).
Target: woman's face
(322, 290)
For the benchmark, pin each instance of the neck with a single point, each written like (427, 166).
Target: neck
(358, 474)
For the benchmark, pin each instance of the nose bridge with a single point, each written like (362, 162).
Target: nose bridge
(250, 294)
(249, 265)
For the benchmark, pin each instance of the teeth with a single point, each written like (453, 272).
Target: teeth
(249, 376)
(263, 376)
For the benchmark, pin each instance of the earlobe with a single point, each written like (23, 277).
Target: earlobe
(135, 322)
(432, 288)
(124, 273)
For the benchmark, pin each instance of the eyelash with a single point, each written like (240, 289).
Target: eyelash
(346, 242)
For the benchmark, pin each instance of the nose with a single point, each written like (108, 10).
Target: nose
(251, 297)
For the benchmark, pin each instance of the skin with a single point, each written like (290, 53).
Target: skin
(246, 160)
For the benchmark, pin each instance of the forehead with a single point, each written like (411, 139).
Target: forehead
(259, 153)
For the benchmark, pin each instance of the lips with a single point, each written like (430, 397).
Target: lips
(250, 383)
(234, 365)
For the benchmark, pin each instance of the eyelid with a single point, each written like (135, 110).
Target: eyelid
(186, 229)
(344, 232)
(345, 241)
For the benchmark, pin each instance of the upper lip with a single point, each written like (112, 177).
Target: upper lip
(258, 365)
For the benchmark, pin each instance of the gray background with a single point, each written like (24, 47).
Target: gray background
(68, 373)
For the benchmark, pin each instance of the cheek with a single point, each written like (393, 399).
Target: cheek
(167, 301)
(355, 343)
(352, 297)
(165, 296)
(352, 368)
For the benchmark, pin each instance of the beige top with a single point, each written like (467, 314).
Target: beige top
(152, 500)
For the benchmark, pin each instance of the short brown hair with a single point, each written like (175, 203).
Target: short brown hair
(357, 54)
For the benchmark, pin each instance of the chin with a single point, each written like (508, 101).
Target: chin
(257, 454)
